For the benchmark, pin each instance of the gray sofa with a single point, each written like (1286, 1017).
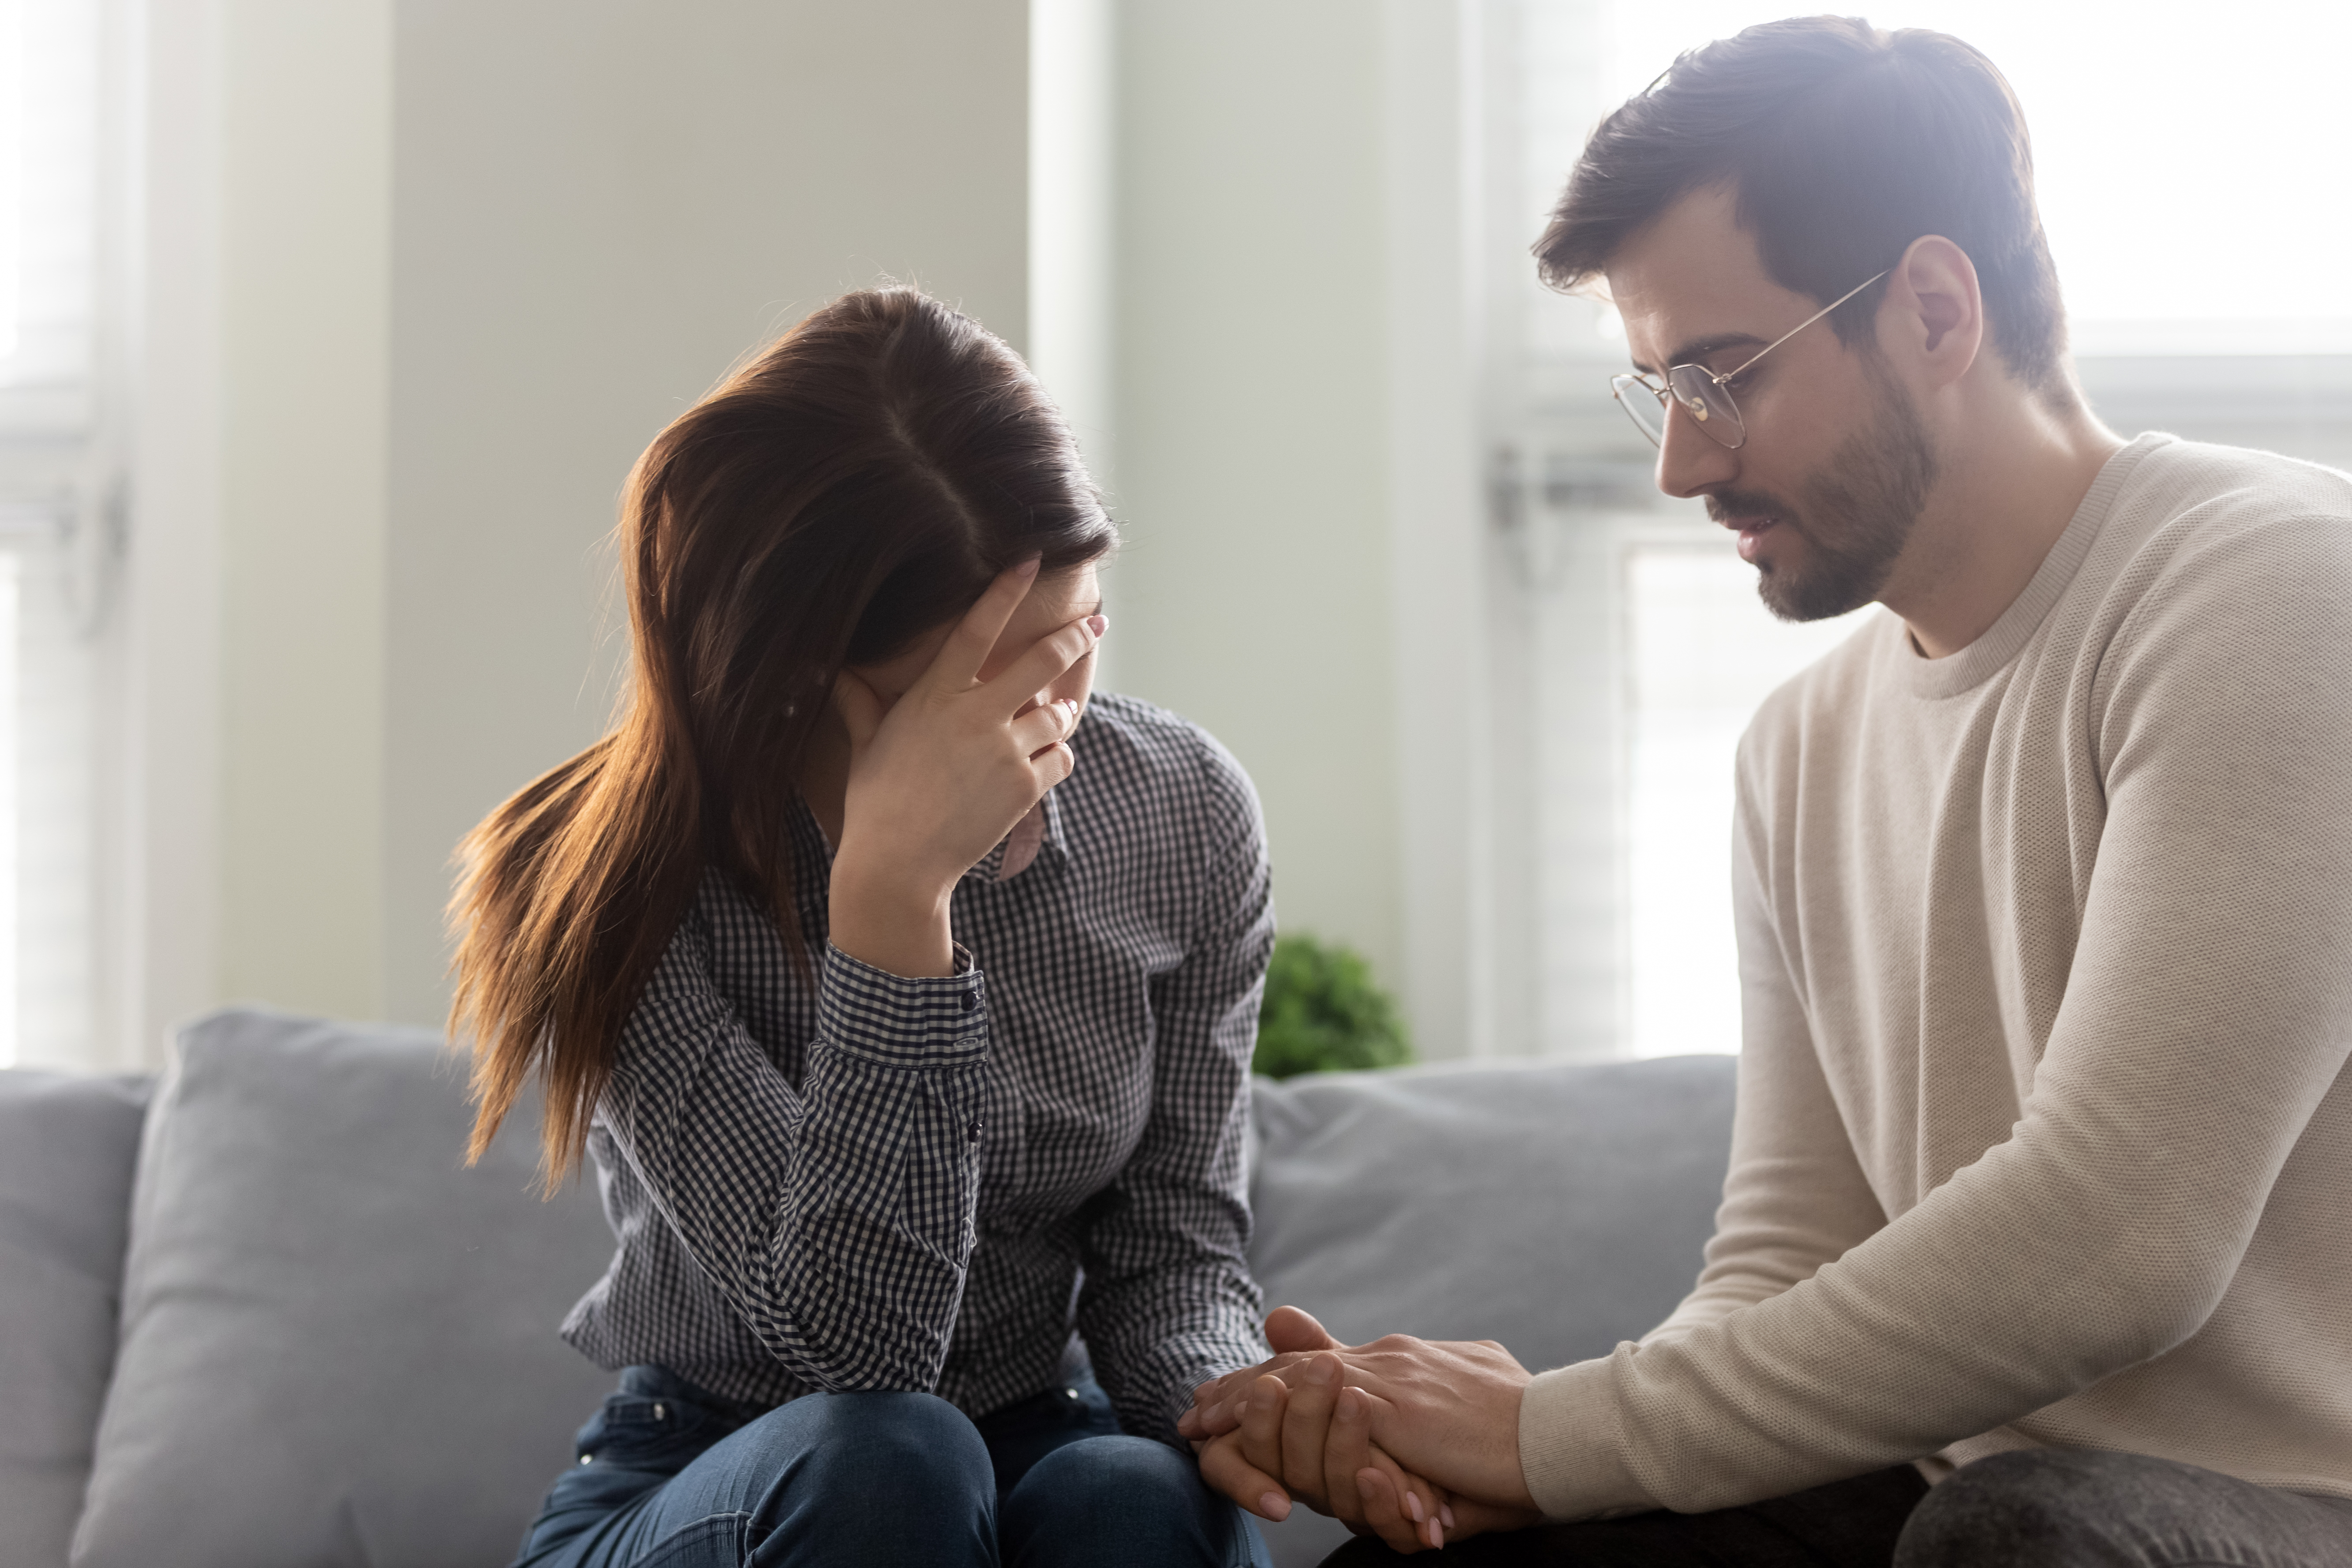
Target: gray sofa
(257, 1314)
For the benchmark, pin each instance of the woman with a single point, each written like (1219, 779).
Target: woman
(910, 1084)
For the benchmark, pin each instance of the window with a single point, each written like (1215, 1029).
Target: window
(1632, 647)
(49, 290)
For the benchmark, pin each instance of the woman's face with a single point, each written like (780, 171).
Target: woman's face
(1052, 603)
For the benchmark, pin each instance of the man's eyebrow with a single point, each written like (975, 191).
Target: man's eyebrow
(1699, 348)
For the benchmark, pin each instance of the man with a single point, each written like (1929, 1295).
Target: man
(2043, 886)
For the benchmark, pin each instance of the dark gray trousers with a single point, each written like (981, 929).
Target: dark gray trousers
(2039, 1508)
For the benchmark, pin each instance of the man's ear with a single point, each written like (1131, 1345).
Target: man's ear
(1935, 309)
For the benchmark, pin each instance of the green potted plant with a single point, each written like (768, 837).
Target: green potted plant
(1324, 1012)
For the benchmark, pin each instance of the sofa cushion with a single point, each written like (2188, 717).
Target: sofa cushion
(67, 1144)
(1556, 1208)
(339, 1343)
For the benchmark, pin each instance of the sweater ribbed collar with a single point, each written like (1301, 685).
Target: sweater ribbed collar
(2006, 637)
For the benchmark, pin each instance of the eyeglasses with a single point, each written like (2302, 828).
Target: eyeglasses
(1703, 394)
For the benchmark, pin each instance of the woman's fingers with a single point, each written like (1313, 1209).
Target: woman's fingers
(1422, 1503)
(1471, 1519)
(1348, 1449)
(860, 709)
(1383, 1514)
(1217, 1404)
(957, 664)
(1261, 1427)
(1306, 1428)
(1042, 727)
(1053, 764)
(1045, 661)
(1226, 1472)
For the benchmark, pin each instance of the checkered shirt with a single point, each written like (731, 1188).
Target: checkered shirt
(876, 1182)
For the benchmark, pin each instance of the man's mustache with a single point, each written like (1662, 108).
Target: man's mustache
(1723, 505)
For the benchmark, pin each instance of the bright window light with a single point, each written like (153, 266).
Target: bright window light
(12, 99)
(2187, 157)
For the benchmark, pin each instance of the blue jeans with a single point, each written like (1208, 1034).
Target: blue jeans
(671, 1477)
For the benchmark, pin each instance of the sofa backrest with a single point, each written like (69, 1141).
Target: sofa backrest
(1556, 1208)
(337, 1345)
(67, 1145)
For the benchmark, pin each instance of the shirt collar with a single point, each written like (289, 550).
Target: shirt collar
(1040, 828)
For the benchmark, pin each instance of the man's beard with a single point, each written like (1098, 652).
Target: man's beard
(1858, 514)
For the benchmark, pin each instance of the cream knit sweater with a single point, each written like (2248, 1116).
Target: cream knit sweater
(2043, 1134)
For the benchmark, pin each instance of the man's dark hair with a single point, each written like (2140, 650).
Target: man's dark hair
(1843, 144)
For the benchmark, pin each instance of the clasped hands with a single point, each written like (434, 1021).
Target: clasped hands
(1413, 1440)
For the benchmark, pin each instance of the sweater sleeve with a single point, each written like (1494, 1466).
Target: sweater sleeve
(837, 1218)
(1168, 1303)
(2207, 1012)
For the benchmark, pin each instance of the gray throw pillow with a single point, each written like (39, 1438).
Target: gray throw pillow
(67, 1144)
(1558, 1209)
(338, 1344)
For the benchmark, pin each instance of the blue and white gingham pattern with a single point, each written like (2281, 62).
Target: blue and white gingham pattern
(885, 1183)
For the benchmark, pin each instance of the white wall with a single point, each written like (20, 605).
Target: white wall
(597, 208)
(1254, 594)
(1295, 465)
(306, 269)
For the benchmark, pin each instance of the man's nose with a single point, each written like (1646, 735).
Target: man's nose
(1690, 461)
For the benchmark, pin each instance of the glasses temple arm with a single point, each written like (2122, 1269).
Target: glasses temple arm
(1799, 327)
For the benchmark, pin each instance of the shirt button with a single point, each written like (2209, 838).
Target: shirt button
(970, 1000)
(973, 1132)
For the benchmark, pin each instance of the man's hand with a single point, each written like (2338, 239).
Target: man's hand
(1447, 1410)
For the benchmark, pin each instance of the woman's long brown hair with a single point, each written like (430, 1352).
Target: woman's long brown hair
(859, 481)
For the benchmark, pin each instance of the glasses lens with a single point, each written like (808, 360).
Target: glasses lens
(1641, 404)
(1709, 405)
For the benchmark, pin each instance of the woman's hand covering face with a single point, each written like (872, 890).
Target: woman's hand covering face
(938, 776)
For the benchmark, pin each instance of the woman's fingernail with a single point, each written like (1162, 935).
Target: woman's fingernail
(1275, 1506)
(1412, 1508)
(1098, 625)
(1445, 1514)
(1437, 1535)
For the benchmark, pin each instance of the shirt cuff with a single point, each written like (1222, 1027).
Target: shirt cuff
(897, 1022)
(1572, 1452)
